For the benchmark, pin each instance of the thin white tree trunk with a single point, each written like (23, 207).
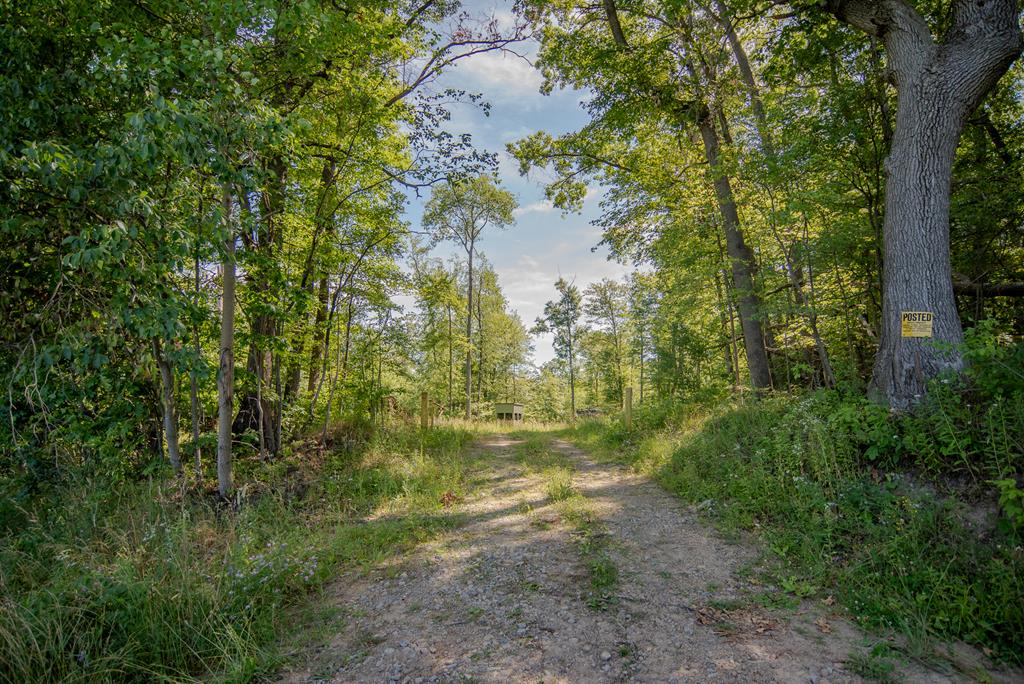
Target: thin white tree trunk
(469, 339)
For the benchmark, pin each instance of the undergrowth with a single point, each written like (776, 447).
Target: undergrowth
(913, 522)
(145, 581)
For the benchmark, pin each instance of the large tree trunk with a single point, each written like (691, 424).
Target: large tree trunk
(938, 84)
(917, 273)
(226, 367)
(741, 260)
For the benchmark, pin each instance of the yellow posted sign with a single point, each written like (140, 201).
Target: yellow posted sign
(916, 323)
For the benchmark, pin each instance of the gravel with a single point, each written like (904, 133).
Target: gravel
(503, 598)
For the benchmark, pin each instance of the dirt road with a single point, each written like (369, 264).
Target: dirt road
(509, 596)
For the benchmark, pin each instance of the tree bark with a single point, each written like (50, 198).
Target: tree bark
(469, 338)
(741, 260)
(226, 367)
(319, 346)
(170, 412)
(938, 86)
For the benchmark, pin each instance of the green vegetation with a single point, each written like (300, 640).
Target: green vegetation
(893, 514)
(147, 580)
(207, 234)
(537, 456)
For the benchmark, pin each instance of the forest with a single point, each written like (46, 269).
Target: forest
(225, 321)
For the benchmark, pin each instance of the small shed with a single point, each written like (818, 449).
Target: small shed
(509, 411)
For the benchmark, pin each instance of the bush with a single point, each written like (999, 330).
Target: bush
(886, 510)
(143, 581)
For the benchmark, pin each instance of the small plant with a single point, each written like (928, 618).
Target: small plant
(1011, 500)
(873, 666)
(559, 484)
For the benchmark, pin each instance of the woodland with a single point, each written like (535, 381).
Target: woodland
(218, 319)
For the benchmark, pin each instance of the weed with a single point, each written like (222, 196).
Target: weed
(147, 582)
(873, 666)
(559, 483)
(818, 477)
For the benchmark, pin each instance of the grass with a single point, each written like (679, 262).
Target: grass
(873, 665)
(897, 549)
(535, 454)
(145, 581)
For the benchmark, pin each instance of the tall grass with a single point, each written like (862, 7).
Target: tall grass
(146, 582)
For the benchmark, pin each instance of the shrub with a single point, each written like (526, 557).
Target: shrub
(876, 506)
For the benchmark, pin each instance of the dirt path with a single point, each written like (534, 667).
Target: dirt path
(503, 598)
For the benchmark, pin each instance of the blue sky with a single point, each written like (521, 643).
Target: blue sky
(543, 244)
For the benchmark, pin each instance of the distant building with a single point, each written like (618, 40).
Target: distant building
(509, 411)
(590, 412)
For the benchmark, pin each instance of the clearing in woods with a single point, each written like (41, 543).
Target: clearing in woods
(571, 570)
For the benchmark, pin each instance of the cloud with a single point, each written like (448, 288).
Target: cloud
(501, 76)
(529, 281)
(542, 207)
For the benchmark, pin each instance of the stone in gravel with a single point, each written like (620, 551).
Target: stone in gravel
(605, 655)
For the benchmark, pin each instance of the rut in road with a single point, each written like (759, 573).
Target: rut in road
(508, 596)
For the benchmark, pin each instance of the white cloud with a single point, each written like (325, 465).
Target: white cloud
(542, 207)
(529, 282)
(501, 76)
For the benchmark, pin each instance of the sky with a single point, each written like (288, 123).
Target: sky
(544, 244)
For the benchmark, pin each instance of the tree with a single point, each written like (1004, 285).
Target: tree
(939, 83)
(562, 317)
(226, 365)
(459, 212)
(642, 312)
(657, 63)
(607, 306)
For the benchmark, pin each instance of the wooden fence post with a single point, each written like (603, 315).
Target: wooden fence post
(627, 408)
(424, 411)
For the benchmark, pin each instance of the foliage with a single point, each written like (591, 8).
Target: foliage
(153, 582)
(882, 510)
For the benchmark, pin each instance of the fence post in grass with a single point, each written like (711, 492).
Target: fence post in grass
(424, 411)
(627, 408)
